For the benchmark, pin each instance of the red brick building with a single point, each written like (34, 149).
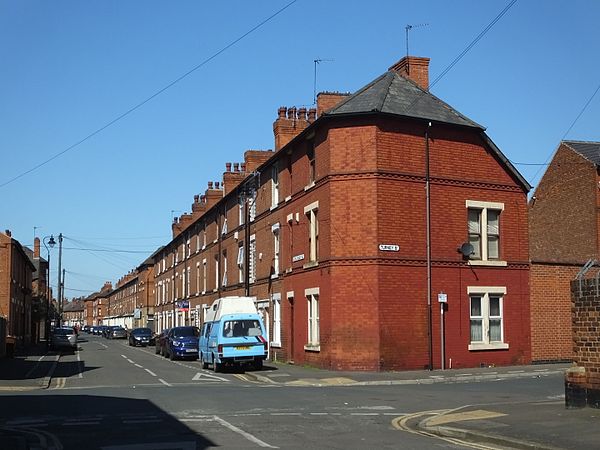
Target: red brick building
(564, 235)
(15, 290)
(96, 305)
(349, 232)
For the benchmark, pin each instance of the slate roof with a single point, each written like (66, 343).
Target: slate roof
(589, 150)
(393, 94)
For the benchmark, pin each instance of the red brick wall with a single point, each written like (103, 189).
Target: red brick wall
(563, 216)
(551, 332)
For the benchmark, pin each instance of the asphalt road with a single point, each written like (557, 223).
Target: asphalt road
(108, 395)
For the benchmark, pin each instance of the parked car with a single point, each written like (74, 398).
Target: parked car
(106, 331)
(86, 329)
(160, 341)
(117, 333)
(141, 336)
(182, 342)
(63, 337)
(98, 329)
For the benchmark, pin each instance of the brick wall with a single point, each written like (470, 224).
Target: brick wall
(583, 381)
(562, 214)
(551, 333)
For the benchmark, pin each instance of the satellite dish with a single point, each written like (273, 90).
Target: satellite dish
(466, 249)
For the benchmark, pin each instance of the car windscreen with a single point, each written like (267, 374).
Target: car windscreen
(142, 332)
(186, 332)
(242, 328)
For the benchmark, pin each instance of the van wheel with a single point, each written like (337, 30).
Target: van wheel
(216, 366)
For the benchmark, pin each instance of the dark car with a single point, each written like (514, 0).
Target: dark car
(182, 342)
(160, 342)
(86, 329)
(64, 337)
(117, 333)
(99, 329)
(141, 336)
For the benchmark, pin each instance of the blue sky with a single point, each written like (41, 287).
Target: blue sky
(71, 67)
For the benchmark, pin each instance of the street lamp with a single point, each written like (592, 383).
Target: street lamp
(51, 243)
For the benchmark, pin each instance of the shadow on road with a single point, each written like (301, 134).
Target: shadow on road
(91, 422)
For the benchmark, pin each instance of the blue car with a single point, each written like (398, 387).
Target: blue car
(182, 342)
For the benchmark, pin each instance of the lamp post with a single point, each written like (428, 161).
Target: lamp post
(51, 243)
(60, 284)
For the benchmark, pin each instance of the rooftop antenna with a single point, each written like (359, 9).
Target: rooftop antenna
(408, 28)
(317, 62)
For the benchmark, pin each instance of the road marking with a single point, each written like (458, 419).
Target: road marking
(319, 414)
(200, 375)
(150, 372)
(164, 382)
(28, 374)
(138, 365)
(80, 363)
(103, 345)
(286, 414)
(124, 356)
(516, 371)
(130, 361)
(243, 433)
(364, 414)
(462, 416)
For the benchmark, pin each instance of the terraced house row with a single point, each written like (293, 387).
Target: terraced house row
(385, 230)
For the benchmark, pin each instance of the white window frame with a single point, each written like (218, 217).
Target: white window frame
(313, 233)
(188, 282)
(217, 274)
(241, 212)
(252, 258)
(274, 185)
(198, 278)
(240, 262)
(224, 283)
(204, 276)
(276, 320)
(313, 336)
(276, 229)
(485, 292)
(483, 208)
(224, 227)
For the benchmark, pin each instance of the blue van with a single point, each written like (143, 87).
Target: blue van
(233, 334)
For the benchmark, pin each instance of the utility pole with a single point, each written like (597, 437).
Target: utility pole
(60, 283)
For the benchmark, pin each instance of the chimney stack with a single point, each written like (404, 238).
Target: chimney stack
(36, 248)
(414, 68)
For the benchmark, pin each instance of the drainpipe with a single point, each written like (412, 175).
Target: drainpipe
(428, 231)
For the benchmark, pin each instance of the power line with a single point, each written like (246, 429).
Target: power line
(156, 94)
(551, 155)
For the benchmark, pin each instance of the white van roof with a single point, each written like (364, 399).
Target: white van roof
(230, 305)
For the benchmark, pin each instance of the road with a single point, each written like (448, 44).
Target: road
(110, 396)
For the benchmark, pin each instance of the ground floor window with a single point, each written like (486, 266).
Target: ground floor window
(312, 297)
(486, 314)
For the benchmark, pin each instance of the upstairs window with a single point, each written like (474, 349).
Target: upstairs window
(310, 154)
(484, 230)
(274, 186)
(311, 212)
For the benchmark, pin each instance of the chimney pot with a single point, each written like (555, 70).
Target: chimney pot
(281, 112)
(291, 113)
(312, 114)
(236, 167)
(302, 113)
(228, 167)
(217, 185)
(196, 197)
(8, 233)
(210, 184)
(203, 198)
(243, 167)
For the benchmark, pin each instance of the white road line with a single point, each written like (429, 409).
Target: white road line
(243, 433)
(319, 414)
(138, 365)
(130, 361)
(164, 382)
(364, 414)
(105, 346)
(516, 371)
(80, 375)
(286, 414)
(124, 356)
(150, 372)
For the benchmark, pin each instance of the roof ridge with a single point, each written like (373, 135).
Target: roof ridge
(357, 93)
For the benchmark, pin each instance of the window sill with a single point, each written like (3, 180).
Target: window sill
(215, 290)
(273, 207)
(490, 263)
(288, 198)
(495, 346)
(274, 276)
(310, 264)
(312, 348)
(311, 185)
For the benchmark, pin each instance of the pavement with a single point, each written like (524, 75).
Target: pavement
(542, 425)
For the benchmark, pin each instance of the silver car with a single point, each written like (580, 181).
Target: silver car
(64, 337)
